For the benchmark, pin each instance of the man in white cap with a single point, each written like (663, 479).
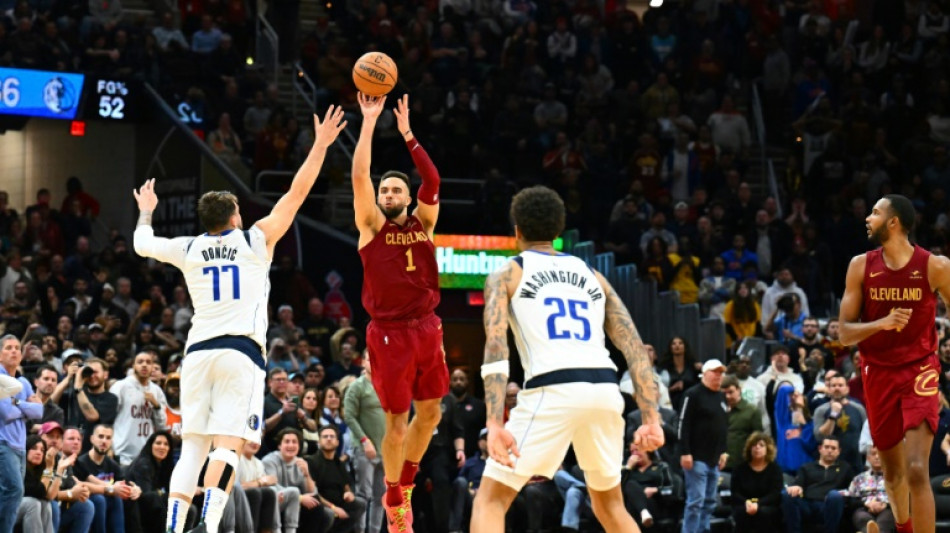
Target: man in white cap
(703, 430)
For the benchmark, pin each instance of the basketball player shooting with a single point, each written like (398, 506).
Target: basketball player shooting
(400, 293)
(889, 310)
(558, 309)
(222, 377)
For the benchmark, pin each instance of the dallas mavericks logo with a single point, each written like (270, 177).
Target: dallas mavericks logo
(59, 95)
(253, 422)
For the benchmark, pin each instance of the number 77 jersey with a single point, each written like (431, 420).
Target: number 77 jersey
(400, 274)
(557, 315)
(227, 277)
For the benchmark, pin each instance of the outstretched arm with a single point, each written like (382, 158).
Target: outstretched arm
(364, 197)
(623, 333)
(427, 206)
(276, 224)
(144, 241)
(852, 329)
(501, 442)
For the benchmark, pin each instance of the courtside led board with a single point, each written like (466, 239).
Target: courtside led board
(466, 260)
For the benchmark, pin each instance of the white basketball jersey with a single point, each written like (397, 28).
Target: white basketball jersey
(227, 277)
(557, 315)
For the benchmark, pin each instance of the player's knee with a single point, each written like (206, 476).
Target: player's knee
(918, 473)
(430, 417)
(230, 460)
(894, 476)
(397, 432)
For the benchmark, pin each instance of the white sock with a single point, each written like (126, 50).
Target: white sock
(176, 515)
(215, 501)
(645, 515)
(290, 530)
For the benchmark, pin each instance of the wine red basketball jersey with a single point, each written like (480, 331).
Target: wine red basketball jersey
(908, 288)
(400, 275)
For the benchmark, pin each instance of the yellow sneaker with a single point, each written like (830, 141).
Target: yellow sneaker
(407, 502)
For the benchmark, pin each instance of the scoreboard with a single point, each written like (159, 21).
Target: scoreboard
(70, 96)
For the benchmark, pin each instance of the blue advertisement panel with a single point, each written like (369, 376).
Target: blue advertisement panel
(38, 93)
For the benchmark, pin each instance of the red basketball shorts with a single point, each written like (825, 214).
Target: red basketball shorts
(899, 398)
(408, 361)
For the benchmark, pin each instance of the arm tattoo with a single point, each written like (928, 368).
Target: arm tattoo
(625, 337)
(145, 218)
(496, 340)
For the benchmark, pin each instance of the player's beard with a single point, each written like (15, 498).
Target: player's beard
(392, 211)
(878, 236)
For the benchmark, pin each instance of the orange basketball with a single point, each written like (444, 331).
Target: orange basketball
(375, 74)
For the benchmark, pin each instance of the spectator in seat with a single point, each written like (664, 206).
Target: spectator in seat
(206, 40)
(103, 476)
(167, 32)
(793, 428)
(815, 497)
(285, 327)
(140, 409)
(260, 489)
(45, 381)
(744, 420)
(344, 365)
(779, 371)
(741, 315)
(40, 487)
(280, 412)
(784, 283)
(74, 512)
(756, 486)
(293, 472)
(317, 326)
(868, 488)
(716, 288)
(151, 472)
(678, 370)
(641, 486)
(842, 417)
(331, 475)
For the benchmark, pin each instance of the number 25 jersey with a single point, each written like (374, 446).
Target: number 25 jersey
(400, 275)
(557, 315)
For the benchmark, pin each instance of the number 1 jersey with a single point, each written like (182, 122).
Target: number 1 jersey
(400, 275)
(557, 315)
(227, 277)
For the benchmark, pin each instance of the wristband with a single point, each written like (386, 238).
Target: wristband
(69, 494)
(498, 367)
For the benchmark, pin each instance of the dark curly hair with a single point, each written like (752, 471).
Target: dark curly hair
(538, 212)
(215, 209)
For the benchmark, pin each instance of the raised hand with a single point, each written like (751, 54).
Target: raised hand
(145, 196)
(327, 131)
(371, 106)
(402, 116)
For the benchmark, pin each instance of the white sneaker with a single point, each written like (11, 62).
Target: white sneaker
(646, 518)
(9, 386)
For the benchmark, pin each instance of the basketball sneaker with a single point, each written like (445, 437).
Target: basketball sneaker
(407, 502)
(396, 518)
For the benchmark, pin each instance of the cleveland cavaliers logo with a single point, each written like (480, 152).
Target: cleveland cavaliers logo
(926, 383)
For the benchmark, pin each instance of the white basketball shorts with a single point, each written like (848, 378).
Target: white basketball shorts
(222, 393)
(547, 420)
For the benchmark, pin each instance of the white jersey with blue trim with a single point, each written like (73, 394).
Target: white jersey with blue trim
(557, 315)
(227, 277)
